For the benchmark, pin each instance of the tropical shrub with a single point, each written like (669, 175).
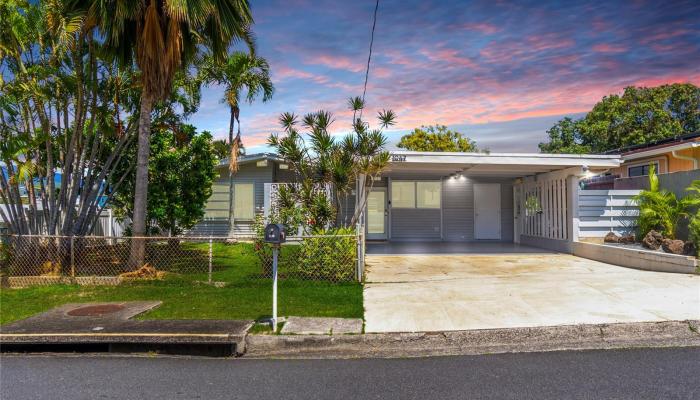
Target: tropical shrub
(659, 209)
(694, 225)
(304, 205)
(329, 255)
(694, 231)
(317, 157)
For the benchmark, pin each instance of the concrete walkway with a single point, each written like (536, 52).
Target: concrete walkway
(411, 293)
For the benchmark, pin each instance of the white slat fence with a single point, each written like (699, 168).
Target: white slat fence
(604, 211)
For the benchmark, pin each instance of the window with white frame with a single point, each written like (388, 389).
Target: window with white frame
(416, 194)
(244, 201)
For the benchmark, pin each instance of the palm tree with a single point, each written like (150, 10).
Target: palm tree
(241, 74)
(660, 209)
(163, 36)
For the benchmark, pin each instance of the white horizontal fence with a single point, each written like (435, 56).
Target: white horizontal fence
(604, 211)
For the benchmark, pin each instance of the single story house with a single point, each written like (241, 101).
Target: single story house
(670, 155)
(251, 183)
(677, 155)
(437, 196)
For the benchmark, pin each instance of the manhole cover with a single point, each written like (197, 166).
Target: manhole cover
(95, 311)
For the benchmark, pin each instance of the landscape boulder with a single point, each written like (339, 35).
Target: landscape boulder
(652, 240)
(628, 239)
(673, 246)
(611, 237)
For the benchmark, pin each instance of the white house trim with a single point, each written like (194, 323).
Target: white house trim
(660, 150)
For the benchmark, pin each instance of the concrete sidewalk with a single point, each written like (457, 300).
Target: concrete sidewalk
(474, 342)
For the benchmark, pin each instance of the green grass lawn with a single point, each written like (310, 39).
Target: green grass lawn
(246, 296)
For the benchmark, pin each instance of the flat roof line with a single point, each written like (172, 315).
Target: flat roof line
(519, 155)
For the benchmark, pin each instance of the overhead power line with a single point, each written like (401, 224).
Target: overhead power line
(369, 57)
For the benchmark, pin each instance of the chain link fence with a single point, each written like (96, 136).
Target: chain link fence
(28, 260)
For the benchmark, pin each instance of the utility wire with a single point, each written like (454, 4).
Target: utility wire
(369, 58)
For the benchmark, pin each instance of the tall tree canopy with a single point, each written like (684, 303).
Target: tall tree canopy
(437, 138)
(181, 173)
(242, 74)
(641, 115)
(65, 109)
(163, 37)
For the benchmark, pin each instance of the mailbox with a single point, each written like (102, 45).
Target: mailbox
(274, 233)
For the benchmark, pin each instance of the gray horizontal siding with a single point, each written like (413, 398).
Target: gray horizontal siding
(415, 223)
(458, 213)
(507, 211)
(250, 173)
(347, 208)
(458, 208)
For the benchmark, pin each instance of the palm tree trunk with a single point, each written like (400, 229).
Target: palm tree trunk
(231, 198)
(138, 246)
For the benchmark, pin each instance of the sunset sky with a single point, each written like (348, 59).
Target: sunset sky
(500, 72)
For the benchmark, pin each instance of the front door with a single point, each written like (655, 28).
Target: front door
(487, 211)
(377, 215)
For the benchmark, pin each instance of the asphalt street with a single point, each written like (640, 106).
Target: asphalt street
(630, 374)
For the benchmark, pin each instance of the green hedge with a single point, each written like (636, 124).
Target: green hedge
(329, 255)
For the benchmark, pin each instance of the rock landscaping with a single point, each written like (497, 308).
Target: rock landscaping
(654, 241)
(673, 246)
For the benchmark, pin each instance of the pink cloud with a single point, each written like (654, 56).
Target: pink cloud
(449, 56)
(338, 62)
(664, 35)
(518, 51)
(548, 41)
(397, 57)
(348, 64)
(283, 72)
(609, 48)
(566, 59)
(481, 27)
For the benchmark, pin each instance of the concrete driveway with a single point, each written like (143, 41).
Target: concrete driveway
(407, 293)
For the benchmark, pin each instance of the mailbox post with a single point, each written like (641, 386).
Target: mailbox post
(275, 235)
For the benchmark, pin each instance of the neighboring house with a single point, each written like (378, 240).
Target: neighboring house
(679, 156)
(668, 156)
(430, 196)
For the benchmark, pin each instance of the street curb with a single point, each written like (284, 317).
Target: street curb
(474, 342)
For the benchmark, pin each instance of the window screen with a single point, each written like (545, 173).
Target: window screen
(244, 201)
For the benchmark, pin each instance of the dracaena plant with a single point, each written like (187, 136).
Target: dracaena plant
(318, 157)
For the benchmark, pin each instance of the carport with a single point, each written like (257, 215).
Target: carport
(459, 241)
(467, 198)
